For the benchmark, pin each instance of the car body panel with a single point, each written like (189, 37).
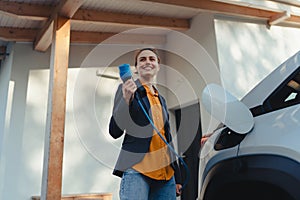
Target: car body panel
(277, 132)
(209, 157)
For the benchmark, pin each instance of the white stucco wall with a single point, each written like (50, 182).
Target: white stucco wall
(24, 135)
(194, 64)
(5, 92)
(248, 52)
(5, 71)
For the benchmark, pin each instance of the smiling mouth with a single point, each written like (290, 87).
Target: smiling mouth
(147, 68)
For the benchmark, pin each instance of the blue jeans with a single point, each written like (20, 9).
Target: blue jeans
(135, 186)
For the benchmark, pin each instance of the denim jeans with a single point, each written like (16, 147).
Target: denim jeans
(135, 186)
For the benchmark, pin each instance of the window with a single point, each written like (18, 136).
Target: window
(287, 94)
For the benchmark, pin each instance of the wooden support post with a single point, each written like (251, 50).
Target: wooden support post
(54, 140)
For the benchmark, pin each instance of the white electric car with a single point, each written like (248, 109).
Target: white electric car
(255, 154)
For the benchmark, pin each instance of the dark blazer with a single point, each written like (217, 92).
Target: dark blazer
(132, 121)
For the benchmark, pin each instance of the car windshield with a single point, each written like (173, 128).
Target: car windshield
(287, 94)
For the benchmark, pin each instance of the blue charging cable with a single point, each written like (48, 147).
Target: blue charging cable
(164, 140)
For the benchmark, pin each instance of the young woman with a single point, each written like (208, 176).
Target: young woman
(147, 166)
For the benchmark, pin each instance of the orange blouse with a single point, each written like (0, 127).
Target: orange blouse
(156, 163)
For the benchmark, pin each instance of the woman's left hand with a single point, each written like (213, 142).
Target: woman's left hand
(178, 189)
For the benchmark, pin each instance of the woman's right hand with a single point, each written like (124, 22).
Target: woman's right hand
(128, 89)
(205, 138)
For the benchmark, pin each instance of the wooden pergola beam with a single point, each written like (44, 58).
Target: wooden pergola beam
(25, 10)
(70, 7)
(40, 12)
(27, 35)
(92, 16)
(128, 38)
(65, 8)
(17, 34)
(280, 17)
(90, 37)
(44, 37)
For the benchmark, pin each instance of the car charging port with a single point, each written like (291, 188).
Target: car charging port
(227, 139)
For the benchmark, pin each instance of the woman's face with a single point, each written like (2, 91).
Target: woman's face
(147, 65)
